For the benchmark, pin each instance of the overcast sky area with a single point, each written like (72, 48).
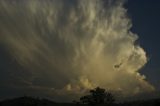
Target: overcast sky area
(62, 48)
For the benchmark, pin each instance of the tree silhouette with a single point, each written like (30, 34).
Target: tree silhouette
(98, 96)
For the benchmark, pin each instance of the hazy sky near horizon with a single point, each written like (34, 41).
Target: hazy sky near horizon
(62, 48)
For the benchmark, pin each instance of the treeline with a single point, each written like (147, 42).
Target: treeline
(30, 101)
(27, 101)
(96, 97)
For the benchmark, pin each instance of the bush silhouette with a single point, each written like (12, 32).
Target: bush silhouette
(98, 96)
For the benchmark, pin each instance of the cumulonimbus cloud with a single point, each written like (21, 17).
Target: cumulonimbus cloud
(69, 46)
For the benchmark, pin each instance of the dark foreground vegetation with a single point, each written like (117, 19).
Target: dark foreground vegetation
(96, 97)
(29, 101)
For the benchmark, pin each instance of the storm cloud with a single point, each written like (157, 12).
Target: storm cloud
(62, 48)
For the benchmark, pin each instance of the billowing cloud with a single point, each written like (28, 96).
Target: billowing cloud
(64, 47)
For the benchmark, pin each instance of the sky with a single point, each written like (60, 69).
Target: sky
(145, 17)
(62, 48)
